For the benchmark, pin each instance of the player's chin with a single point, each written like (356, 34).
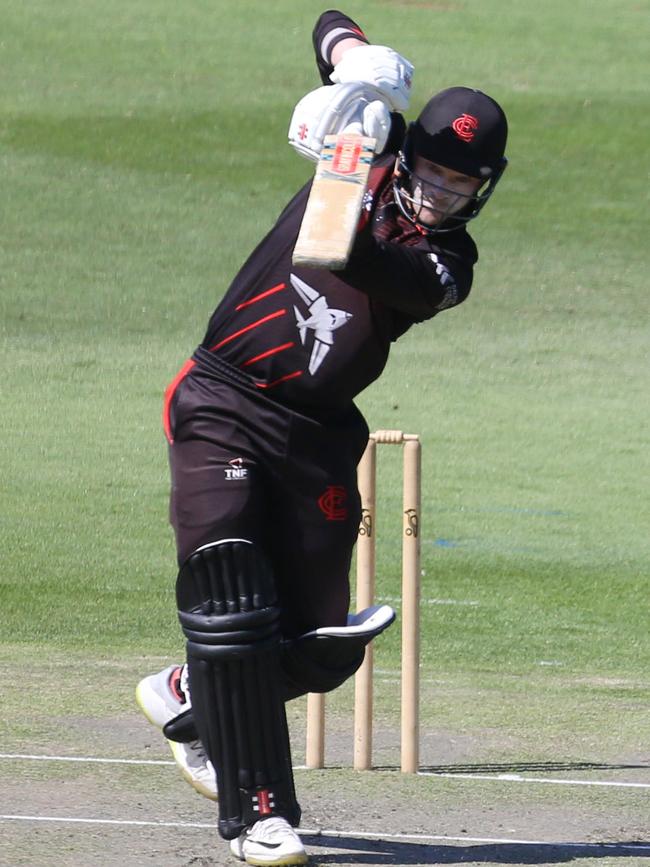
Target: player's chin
(431, 218)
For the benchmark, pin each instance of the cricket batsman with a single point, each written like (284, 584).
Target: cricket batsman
(264, 435)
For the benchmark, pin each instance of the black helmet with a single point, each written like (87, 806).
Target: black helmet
(461, 129)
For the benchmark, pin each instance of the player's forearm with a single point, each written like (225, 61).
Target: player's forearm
(407, 280)
(332, 31)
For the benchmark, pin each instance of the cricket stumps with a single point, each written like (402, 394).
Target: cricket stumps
(410, 686)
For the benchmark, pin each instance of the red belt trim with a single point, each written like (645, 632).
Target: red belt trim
(169, 393)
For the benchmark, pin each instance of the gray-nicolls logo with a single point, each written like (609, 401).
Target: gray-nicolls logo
(235, 470)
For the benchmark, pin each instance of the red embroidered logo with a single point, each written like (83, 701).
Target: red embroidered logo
(464, 126)
(333, 503)
(303, 129)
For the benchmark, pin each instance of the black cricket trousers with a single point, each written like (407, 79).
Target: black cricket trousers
(244, 466)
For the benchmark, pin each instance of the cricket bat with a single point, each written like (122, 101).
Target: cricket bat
(331, 217)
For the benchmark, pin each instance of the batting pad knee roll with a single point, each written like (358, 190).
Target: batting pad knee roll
(323, 659)
(228, 609)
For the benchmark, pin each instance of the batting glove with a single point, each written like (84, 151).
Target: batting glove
(381, 67)
(352, 107)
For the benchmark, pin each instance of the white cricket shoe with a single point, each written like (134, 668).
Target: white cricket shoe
(269, 842)
(162, 697)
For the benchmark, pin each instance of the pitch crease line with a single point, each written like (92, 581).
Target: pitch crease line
(89, 759)
(500, 778)
(334, 832)
(516, 778)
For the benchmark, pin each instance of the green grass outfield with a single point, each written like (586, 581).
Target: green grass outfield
(143, 151)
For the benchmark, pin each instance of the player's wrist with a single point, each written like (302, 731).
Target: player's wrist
(341, 47)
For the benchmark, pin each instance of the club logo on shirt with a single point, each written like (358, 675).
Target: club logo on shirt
(236, 470)
(333, 503)
(321, 319)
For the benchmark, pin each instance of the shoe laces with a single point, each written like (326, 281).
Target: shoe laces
(273, 827)
(198, 750)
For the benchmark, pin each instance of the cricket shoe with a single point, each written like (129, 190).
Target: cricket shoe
(269, 841)
(162, 697)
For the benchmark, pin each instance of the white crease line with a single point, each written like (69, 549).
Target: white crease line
(517, 778)
(137, 822)
(503, 778)
(85, 759)
(398, 601)
(334, 832)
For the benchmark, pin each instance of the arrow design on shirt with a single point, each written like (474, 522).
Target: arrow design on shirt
(322, 320)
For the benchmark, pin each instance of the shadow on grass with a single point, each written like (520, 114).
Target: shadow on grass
(517, 767)
(353, 850)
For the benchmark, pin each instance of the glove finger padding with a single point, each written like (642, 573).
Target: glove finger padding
(376, 123)
(331, 109)
(382, 68)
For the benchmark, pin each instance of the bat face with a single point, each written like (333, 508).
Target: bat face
(332, 214)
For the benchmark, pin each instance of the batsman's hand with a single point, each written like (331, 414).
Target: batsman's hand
(352, 107)
(380, 67)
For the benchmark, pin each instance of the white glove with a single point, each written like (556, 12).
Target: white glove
(380, 67)
(331, 109)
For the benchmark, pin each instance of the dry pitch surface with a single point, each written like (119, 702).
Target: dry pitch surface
(132, 808)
